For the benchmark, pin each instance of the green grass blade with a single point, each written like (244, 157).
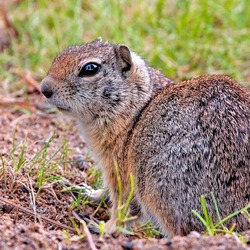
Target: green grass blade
(204, 222)
(130, 196)
(21, 160)
(232, 215)
(204, 208)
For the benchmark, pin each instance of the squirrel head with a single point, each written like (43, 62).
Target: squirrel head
(97, 79)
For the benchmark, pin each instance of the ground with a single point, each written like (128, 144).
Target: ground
(42, 153)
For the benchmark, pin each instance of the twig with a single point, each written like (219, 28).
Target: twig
(11, 102)
(86, 231)
(58, 224)
(28, 79)
(6, 21)
(32, 198)
(19, 103)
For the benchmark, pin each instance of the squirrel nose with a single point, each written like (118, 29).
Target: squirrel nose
(46, 89)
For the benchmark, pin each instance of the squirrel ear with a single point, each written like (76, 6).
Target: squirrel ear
(125, 54)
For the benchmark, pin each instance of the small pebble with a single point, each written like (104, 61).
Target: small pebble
(128, 245)
(194, 234)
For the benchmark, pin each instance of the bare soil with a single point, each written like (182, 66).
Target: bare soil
(41, 218)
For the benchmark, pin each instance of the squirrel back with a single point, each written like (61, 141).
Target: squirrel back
(194, 139)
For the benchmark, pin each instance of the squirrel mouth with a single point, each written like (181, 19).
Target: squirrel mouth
(63, 109)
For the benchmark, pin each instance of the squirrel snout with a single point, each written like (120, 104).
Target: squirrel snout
(46, 89)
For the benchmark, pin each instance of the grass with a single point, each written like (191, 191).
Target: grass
(42, 166)
(146, 229)
(213, 228)
(182, 38)
(123, 215)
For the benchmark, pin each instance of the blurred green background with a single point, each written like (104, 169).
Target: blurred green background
(182, 38)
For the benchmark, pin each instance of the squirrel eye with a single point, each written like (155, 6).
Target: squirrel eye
(89, 69)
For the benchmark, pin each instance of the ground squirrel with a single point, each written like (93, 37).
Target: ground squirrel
(179, 142)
